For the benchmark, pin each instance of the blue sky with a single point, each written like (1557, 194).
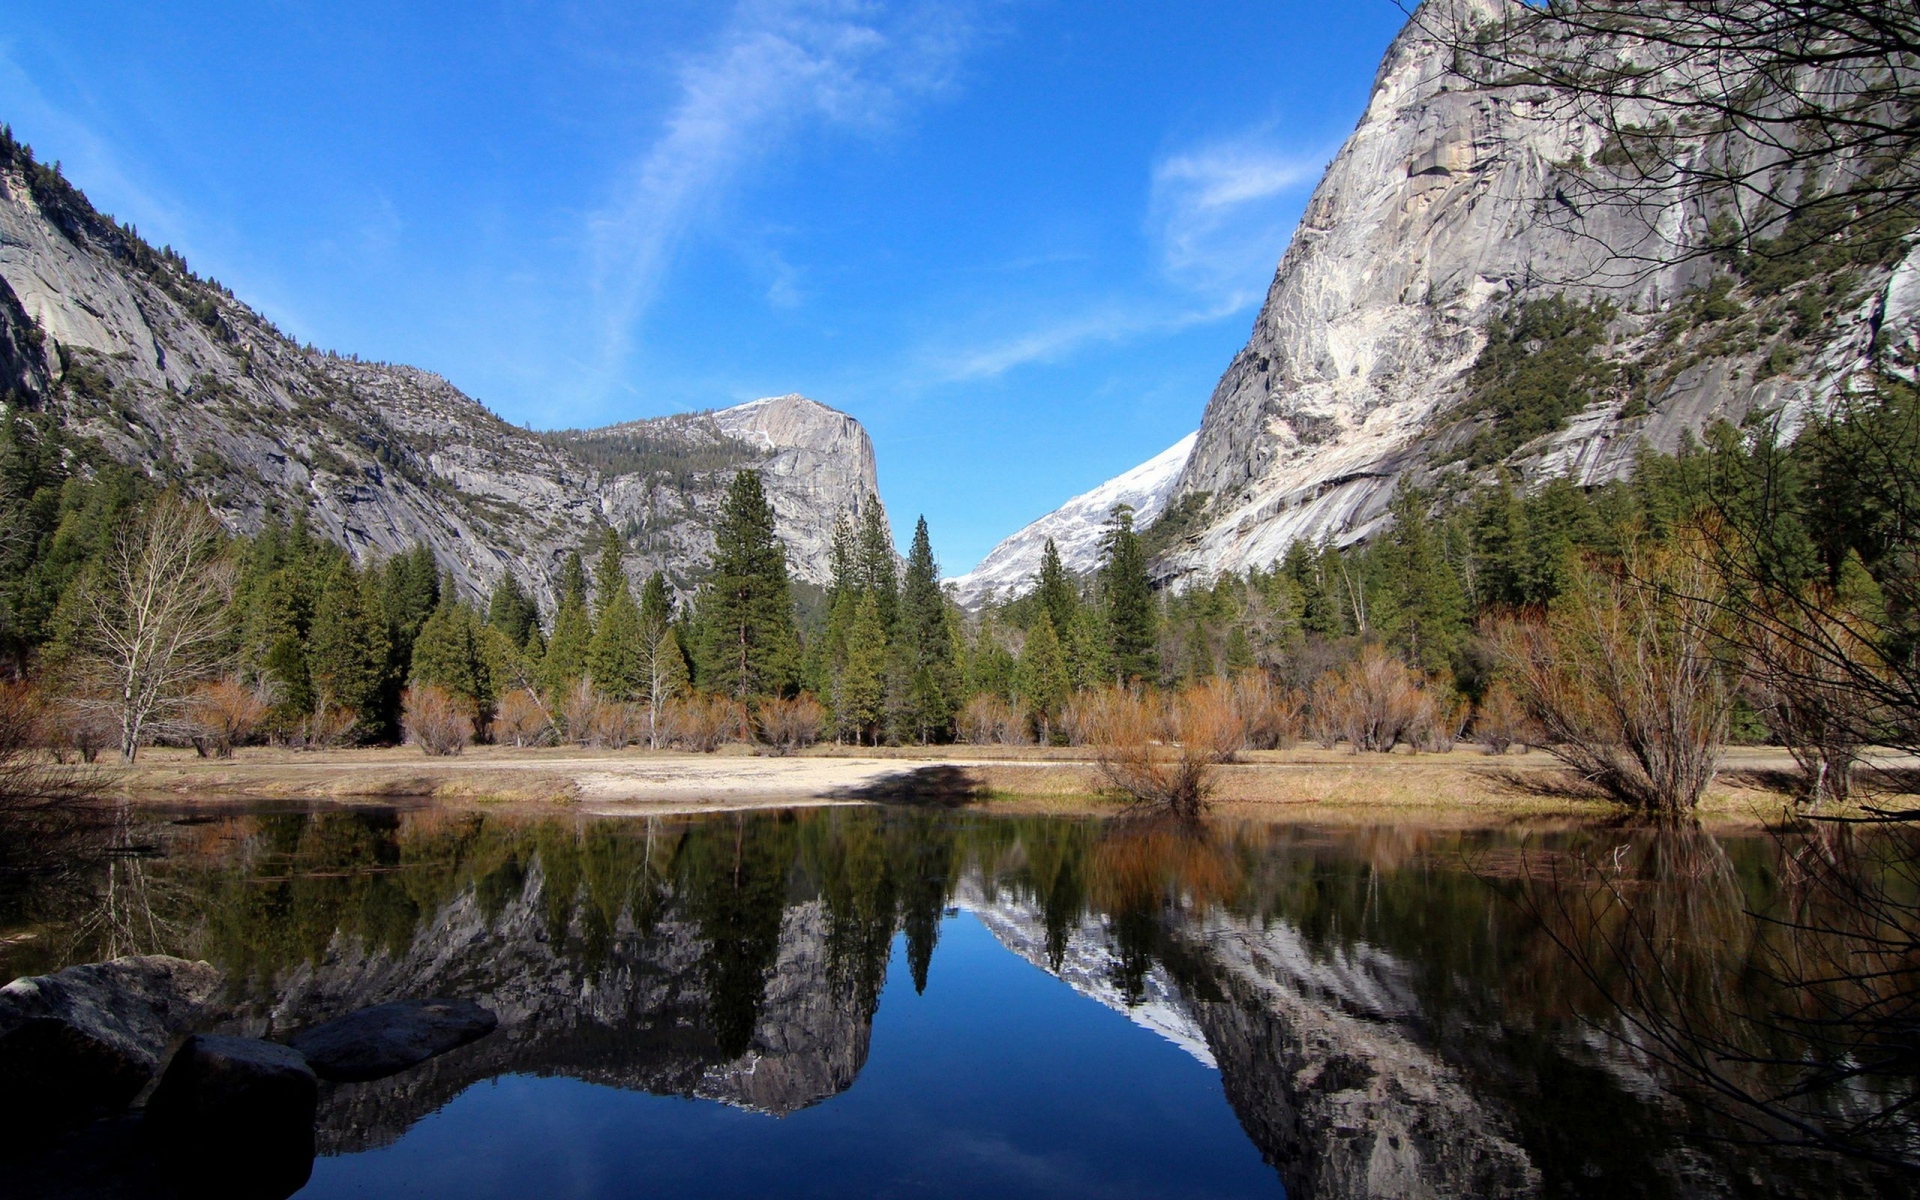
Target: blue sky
(1018, 240)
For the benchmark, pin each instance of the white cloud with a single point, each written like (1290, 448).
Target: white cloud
(1221, 213)
(777, 65)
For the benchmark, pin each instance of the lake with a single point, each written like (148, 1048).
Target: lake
(909, 1001)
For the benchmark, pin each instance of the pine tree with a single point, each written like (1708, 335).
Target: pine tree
(1043, 679)
(566, 658)
(749, 644)
(990, 669)
(876, 563)
(347, 651)
(609, 574)
(410, 592)
(926, 643)
(1089, 649)
(451, 652)
(844, 559)
(1131, 618)
(615, 655)
(859, 702)
(1056, 595)
(511, 610)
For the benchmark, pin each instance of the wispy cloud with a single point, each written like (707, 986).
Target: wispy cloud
(1221, 212)
(776, 66)
(1217, 217)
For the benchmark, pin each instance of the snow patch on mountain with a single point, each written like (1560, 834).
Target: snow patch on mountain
(1075, 527)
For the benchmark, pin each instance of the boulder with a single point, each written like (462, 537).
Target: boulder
(86, 1040)
(234, 1116)
(388, 1038)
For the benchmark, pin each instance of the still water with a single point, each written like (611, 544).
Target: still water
(920, 1002)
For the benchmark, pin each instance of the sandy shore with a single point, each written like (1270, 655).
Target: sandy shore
(1464, 786)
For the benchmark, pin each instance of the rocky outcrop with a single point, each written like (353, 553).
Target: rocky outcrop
(1449, 205)
(639, 1017)
(174, 375)
(1010, 568)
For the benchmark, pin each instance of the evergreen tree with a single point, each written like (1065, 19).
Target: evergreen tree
(1045, 683)
(566, 658)
(876, 563)
(1056, 595)
(609, 574)
(926, 642)
(452, 652)
(990, 669)
(1132, 620)
(511, 610)
(347, 652)
(844, 558)
(410, 593)
(1089, 649)
(615, 657)
(749, 644)
(860, 698)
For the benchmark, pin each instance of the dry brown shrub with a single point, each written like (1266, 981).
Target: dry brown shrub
(326, 729)
(987, 720)
(577, 709)
(77, 726)
(1815, 670)
(1622, 676)
(521, 720)
(705, 723)
(1124, 729)
(223, 714)
(789, 725)
(1272, 713)
(434, 721)
(1501, 720)
(1372, 703)
(1441, 718)
(616, 724)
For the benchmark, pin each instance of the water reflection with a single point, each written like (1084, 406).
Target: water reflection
(1392, 1011)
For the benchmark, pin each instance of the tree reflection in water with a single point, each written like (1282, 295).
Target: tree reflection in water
(1387, 1003)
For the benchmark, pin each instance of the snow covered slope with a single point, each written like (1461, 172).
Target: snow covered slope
(1075, 528)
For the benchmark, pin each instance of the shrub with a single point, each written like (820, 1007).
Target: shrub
(77, 725)
(705, 723)
(327, 728)
(1373, 703)
(1272, 713)
(1124, 728)
(521, 719)
(577, 710)
(987, 720)
(616, 724)
(433, 720)
(1501, 719)
(1622, 676)
(224, 714)
(789, 725)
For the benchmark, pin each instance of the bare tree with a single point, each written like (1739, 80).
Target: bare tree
(1745, 126)
(156, 618)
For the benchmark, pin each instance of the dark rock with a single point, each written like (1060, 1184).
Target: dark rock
(388, 1038)
(234, 1117)
(87, 1039)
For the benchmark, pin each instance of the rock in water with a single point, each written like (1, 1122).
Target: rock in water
(234, 1116)
(88, 1038)
(380, 1041)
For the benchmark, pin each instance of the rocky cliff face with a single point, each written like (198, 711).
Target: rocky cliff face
(173, 375)
(1452, 205)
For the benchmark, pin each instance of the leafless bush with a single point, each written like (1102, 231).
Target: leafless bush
(521, 720)
(705, 723)
(1373, 702)
(27, 780)
(577, 709)
(789, 725)
(1272, 713)
(326, 729)
(224, 714)
(1805, 662)
(1622, 677)
(616, 724)
(987, 720)
(1440, 719)
(434, 721)
(77, 726)
(1125, 727)
(1501, 719)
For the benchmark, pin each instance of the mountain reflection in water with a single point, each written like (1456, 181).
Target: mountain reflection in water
(1384, 1019)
